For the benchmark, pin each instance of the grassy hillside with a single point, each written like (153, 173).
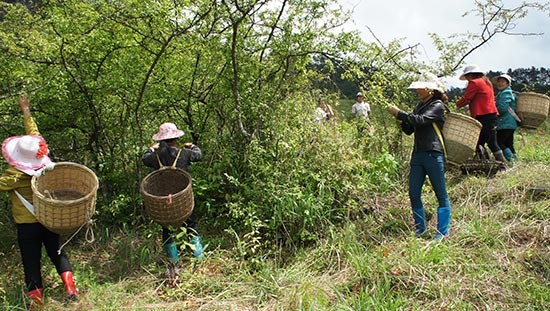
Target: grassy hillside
(497, 257)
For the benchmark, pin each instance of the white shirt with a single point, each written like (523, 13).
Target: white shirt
(319, 115)
(361, 109)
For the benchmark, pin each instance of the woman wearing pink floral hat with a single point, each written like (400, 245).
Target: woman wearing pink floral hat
(169, 153)
(28, 156)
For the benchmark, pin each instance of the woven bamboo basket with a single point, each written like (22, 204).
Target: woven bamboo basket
(461, 134)
(168, 196)
(64, 198)
(532, 109)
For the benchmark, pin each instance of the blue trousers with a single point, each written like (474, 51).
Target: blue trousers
(431, 164)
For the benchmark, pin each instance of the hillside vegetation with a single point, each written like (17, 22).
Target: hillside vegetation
(497, 257)
(296, 215)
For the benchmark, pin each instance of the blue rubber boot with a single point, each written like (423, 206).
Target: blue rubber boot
(509, 155)
(443, 222)
(196, 246)
(171, 251)
(419, 221)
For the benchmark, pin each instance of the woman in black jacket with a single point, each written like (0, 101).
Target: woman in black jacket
(428, 156)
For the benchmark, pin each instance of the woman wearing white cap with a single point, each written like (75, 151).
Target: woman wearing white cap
(167, 152)
(428, 156)
(28, 156)
(508, 119)
(480, 99)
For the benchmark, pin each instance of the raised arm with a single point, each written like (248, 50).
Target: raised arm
(30, 126)
(24, 104)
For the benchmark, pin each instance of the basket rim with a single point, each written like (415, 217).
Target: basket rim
(534, 94)
(158, 171)
(463, 117)
(41, 196)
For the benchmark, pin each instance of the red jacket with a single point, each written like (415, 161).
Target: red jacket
(480, 98)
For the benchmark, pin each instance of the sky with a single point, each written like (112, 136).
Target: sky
(414, 20)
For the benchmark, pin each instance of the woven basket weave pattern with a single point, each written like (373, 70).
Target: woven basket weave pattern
(63, 214)
(532, 109)
(461, 134)
(165, 185)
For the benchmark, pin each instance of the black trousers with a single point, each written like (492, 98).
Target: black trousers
(505, 139)
(31, 237)
(190, 224)
(488, 131)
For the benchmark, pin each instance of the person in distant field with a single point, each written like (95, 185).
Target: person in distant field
(480, 99)
(167, 152)
(319, 115)
(361, 108)
(508, 119)
(361, 112)
(28, 156)
(323, 112)
(327, 108)
(428, 156)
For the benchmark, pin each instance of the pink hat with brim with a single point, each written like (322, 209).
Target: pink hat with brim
(168, 131)
(26, 153)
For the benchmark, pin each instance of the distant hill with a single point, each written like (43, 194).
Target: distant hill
(524, 79)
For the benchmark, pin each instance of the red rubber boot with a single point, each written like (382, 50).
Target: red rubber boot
(68, 280)
(36, 296)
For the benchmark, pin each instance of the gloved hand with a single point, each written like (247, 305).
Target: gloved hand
(49, 166)
(42, 171)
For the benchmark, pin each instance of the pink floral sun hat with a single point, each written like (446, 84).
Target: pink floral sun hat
(26, 153)
(167, 131)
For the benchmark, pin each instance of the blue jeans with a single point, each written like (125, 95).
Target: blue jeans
(432, 164)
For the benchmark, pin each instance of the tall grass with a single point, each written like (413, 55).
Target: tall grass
(496, 258)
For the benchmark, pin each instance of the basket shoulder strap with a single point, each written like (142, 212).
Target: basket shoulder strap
(26, 203)
(176, 159)
(438, 132)
(158, 159)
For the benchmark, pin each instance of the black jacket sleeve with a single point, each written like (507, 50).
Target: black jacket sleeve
(421, 121)
(407, 128)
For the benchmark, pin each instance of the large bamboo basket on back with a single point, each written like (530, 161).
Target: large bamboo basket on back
(64, 198)
(532, 109)
(461, 134)
(168, 196)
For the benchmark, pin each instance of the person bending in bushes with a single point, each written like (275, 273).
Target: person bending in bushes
(28, 156)
(428, 156)
(167, 152)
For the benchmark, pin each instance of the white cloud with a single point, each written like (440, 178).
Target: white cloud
(414, 20)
